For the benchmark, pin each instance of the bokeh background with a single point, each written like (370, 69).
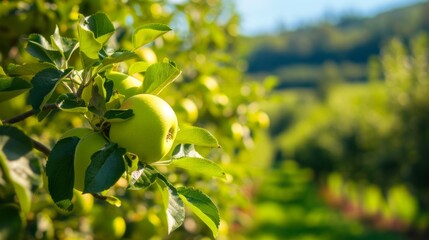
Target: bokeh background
(321, 108)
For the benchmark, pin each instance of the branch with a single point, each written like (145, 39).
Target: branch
(29, 113)
(42, 148)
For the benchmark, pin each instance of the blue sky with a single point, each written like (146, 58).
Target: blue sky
(259, 16)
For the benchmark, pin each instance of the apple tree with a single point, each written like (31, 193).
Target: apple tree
(89, 135)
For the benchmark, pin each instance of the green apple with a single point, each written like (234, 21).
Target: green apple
(150, 133)
(77, 132)
(208, 84)
(186, 110)
(125, 84)
(88, 145)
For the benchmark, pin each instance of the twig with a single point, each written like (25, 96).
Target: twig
(42, 148)
(29, 113)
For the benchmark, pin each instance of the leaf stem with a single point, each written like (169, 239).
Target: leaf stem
(41, 147)
(99, 196)
(28, 114)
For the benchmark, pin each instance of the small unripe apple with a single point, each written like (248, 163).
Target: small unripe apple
(87, 146)
(150, 133)
(208, 84)
(125, 84)
(186, 110)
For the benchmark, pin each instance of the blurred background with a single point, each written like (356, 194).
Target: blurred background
(321, 108)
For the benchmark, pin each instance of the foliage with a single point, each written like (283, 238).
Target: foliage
(63, 72)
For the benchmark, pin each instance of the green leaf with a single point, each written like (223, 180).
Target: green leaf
(173, 205)
(88, 45)
(119, 56)
(105, 169)
(11, 222)
(28, 69)
(199, 165)
(44, 84)
(41, 49)
(195, 135)
(12, 87)
(60, 172)
(101, 26)
(143, 177)
(138, 67)
(66, 46)
(70, 103)
(202, 206)
(158, 76)
(149, 32)
(19, 164)
(118, 115)
(14, 143)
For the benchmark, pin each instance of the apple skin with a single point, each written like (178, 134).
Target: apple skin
(87, 146)
(125, 84)
(150, 133)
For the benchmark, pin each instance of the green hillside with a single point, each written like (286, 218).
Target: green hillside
(341, 50)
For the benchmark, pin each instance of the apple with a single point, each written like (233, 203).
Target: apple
(186, 110)
(125, 84)
(208, 84)
(88, 145)
(150, 133)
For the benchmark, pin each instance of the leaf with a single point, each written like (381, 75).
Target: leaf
(66, 46)
(101, 26)
(138, 67)
(118, 115)
(143, 177)
(105, 169)
(119, 56)
(202, 206)
(14, 143)
(174, 206)
(19, 164)
(199, 165)
(195, 135)
(88, 45)
(41, 49)
(60, 172)
(27, 69)
(11, 87)
(158, 76)
(149, 32)
(11, 222)
(44, 84)
(2, 73)
(70, 103)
